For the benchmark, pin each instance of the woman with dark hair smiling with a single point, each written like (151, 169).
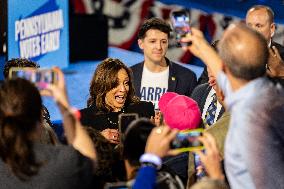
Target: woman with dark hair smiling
(112, 93)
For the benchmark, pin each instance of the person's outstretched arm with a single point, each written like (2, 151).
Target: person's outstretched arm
(74, 131)
(200, 48)
(158, 146)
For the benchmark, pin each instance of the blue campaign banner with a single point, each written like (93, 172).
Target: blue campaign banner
(38, 30)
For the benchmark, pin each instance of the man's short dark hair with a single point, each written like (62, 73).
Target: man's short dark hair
(269, 11)
(154, 23)
(248, 63)
(18, 62)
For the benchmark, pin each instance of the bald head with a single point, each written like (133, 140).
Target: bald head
(244, 51)
(267, 12)
(261, 19)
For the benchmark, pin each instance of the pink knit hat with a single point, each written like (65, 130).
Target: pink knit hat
(179, 111)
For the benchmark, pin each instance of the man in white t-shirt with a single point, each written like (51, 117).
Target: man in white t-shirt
(157, 74)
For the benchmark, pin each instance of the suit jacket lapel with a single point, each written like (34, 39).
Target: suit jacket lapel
(204, 96)
(137, 75)
(221, 113)
(172, 81)
(279, 47)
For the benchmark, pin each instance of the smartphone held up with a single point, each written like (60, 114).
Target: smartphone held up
(181, 25)
(40, 77)
(187, 140)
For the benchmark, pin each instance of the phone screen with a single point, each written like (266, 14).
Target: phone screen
(181, 24)
(45, 76)
(125, 119)
(188, 140)
(38, 76)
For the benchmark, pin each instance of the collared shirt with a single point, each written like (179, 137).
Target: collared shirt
(208, 101)
(240, 103)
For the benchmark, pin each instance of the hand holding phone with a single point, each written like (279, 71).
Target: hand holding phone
(211, 160)
(188, 140)
(181, 24)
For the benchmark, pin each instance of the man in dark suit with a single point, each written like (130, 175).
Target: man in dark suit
(205, 96)
(261, 19)
(218, 129)
(157, 74)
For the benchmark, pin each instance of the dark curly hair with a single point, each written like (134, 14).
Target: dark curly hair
(105, 79)
(106, 155)
(18, 62)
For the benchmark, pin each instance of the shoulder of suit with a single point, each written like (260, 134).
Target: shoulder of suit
(89, 110)
(85, 110)
(141, 104)
(180, 68)
(278, 46)
(204, 86)
(143, 108)
(200, 91)
(273, 43)
(136, 66)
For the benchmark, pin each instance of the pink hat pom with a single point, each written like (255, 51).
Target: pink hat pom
(164, 100)
(182, 112)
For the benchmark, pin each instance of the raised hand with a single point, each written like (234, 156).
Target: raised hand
(275, 65)
(158, 142)
(58, 89)
(202, 49)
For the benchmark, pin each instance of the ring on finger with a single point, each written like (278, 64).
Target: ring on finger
(159, 131)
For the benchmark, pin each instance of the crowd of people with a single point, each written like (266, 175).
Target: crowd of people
(238, 101)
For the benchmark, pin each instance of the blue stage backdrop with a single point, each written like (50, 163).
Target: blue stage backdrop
(38, 30)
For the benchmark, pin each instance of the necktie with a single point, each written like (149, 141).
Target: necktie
(211, 112)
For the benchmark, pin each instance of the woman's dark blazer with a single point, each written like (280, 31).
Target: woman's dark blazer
(90, 116)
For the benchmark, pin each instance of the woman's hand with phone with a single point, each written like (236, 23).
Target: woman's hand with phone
(57, 89)
(75, 134)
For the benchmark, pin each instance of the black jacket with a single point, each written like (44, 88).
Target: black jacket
(92, 117)
(181, 80)
(200, 94)
(279, 47)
